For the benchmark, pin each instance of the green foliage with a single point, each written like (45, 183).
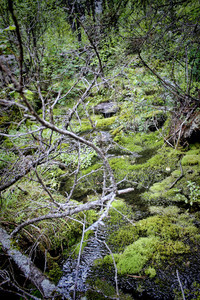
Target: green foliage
(6, 158)
(87, 157)
(4, 43)
(194, 61)
(194, 192)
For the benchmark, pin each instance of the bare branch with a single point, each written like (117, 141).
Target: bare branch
(69, 211)
(26, 266)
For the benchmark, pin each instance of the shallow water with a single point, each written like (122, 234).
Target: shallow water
(75, 278)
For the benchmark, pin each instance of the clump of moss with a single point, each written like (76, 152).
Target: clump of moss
(177, 188)
(100, 123)
(158, 226)
(136, 255)
(138, 141)
(106, 288)
(151, 272)
(195, 146)
(171, 249)
(119, 213)
(168, 226)
(170, 211)
(190, 160)
(141, 247)
(125, 236)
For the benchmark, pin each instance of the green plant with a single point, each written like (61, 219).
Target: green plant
(194, 194)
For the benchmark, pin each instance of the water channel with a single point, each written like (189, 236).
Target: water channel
(73, 283)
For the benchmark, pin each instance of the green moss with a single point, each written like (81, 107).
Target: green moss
(150, 241)
(91, 168)
(139, 141)
(123, 237)
(117, 131)
(171, 248)
(30, 201)
(105, 122)
(151, 272)
(107, 289)
(161, 191)
(195, 146)
(151, 166)
(171, 211)
(117, 211)
(168, 226)
(194, 151)
(55, 271)
(158, 225)
(190, 160)
(136, 255)
(100, 123)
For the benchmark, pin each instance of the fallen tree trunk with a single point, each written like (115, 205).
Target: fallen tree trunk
(30, 271)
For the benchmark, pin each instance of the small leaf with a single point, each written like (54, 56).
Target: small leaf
(28, 92)
(11, 27)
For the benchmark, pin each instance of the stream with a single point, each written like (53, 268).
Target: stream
(75, 278)
(72, 275)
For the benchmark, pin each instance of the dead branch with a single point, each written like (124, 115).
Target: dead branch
(69, 211)
(24, 263)
(79, 259)
(179, 281)
(173, 184)
(137, 276)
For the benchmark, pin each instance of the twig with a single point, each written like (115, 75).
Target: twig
(179, 281)
(45, 188)
(171, 186)
(76, 173)
(137, 277)
(79, 258)
(115, 266)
